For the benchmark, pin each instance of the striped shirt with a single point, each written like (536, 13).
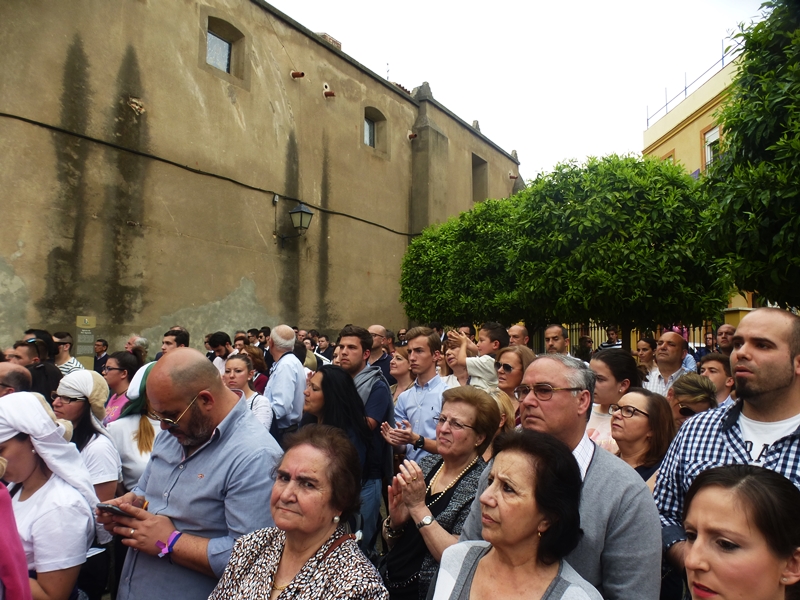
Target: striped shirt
(658, 385)
(712, 439)
(71, 365)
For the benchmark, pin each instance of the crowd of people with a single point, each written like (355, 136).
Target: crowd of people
(440, 463)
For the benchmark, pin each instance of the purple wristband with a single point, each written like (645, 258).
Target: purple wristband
(167, 548)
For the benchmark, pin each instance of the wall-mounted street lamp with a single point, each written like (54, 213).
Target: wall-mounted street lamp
(301, 217)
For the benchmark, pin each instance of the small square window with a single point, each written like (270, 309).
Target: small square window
(369, 132)
(218, 52)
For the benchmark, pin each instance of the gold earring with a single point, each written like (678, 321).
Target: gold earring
(540, 534)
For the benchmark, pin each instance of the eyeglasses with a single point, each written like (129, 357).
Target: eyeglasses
(455, 425)
(66, 399)
(507, 368)
(105, 369)
(627, 411)
(686, 411)
(5, 385)
(376, 335)
(170, 423)
(542, 391)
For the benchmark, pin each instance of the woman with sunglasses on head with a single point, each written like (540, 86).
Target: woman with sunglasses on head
(511, 363)
(643, 428)
(429, 502)
(742, 535)
(118, 373)
(239, 374)
(616, 372)
(689, 395)
(52, 495)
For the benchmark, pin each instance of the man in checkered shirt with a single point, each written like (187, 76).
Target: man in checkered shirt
(761, 428)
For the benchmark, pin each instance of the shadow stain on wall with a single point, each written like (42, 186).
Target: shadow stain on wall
(289, 288)
(61, 299)
(123, 293)
(323, 316)
(240, 309)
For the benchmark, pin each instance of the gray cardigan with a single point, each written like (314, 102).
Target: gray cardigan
(620, 552)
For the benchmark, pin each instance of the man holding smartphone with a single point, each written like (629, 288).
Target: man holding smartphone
(207, 483)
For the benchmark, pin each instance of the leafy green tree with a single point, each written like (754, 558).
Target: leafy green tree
(615, 240)
(754, 186)
(458, 271)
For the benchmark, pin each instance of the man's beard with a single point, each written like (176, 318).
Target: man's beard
(198, 429)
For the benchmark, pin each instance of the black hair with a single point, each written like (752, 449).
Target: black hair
(471, 329)
(364, 336)
(130, 361)
(102, 341)
(650, 342)
(83, 431)
(557, 488)
(496, 333)
(343, 406)
(46, 338)
(181, 336)
(266, 330)
(253, 331)
(621, 364)
(219, 338)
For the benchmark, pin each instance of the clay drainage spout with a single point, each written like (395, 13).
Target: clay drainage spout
(329, 94)
(297, 74)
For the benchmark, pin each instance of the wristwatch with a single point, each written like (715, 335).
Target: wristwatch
(419, 443)
(425, 521)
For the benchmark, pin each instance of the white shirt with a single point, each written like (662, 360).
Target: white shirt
(760, 435)
(261, 408)
(583, 453)
(122, 431)
(56, 526)
(482, 371)
(102, 460)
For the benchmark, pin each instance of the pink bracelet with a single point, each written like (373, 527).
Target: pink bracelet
(167, 548)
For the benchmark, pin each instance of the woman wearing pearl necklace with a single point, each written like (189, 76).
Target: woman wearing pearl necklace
(429, 501)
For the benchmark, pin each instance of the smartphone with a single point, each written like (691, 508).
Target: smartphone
(114, 510)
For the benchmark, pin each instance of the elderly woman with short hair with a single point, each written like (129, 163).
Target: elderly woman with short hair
(429, 502)
(307, 555)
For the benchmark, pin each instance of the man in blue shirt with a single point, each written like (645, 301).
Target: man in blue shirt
(419, 406)
(208, 482)
(287, 382)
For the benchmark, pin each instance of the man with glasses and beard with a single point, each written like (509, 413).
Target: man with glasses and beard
(619, 553)
(205, 486)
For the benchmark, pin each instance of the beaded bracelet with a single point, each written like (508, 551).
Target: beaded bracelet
(167, 548)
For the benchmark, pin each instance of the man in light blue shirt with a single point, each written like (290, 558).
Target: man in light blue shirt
(208, 482)
(287, 382)
(419, 406)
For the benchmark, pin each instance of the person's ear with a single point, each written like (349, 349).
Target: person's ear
(624, 386)
(791, 573)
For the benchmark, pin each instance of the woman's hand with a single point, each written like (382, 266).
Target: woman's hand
(397, 508)
(412, 484)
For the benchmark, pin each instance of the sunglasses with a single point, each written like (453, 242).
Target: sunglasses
(65, 399)
(507, 368)
(686, 411)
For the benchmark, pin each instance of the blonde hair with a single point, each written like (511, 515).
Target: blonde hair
(506, 408)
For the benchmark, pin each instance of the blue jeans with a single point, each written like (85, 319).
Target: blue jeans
(370, 513)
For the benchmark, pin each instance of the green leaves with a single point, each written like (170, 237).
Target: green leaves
(614, 240)
(754, 186)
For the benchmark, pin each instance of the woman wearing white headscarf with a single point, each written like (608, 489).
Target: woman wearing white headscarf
(53, 496)
(80, 399)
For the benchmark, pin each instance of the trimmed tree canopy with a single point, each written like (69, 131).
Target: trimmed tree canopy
(754, 187)
(614, 240)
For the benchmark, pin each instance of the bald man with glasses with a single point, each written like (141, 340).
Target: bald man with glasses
(207, 483)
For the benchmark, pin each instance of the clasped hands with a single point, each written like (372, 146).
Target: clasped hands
(407, 493)
(142, 529)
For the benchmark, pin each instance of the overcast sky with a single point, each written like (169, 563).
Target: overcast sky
(555, 80)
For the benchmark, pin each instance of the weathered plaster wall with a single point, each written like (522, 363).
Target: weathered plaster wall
(143, 244)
